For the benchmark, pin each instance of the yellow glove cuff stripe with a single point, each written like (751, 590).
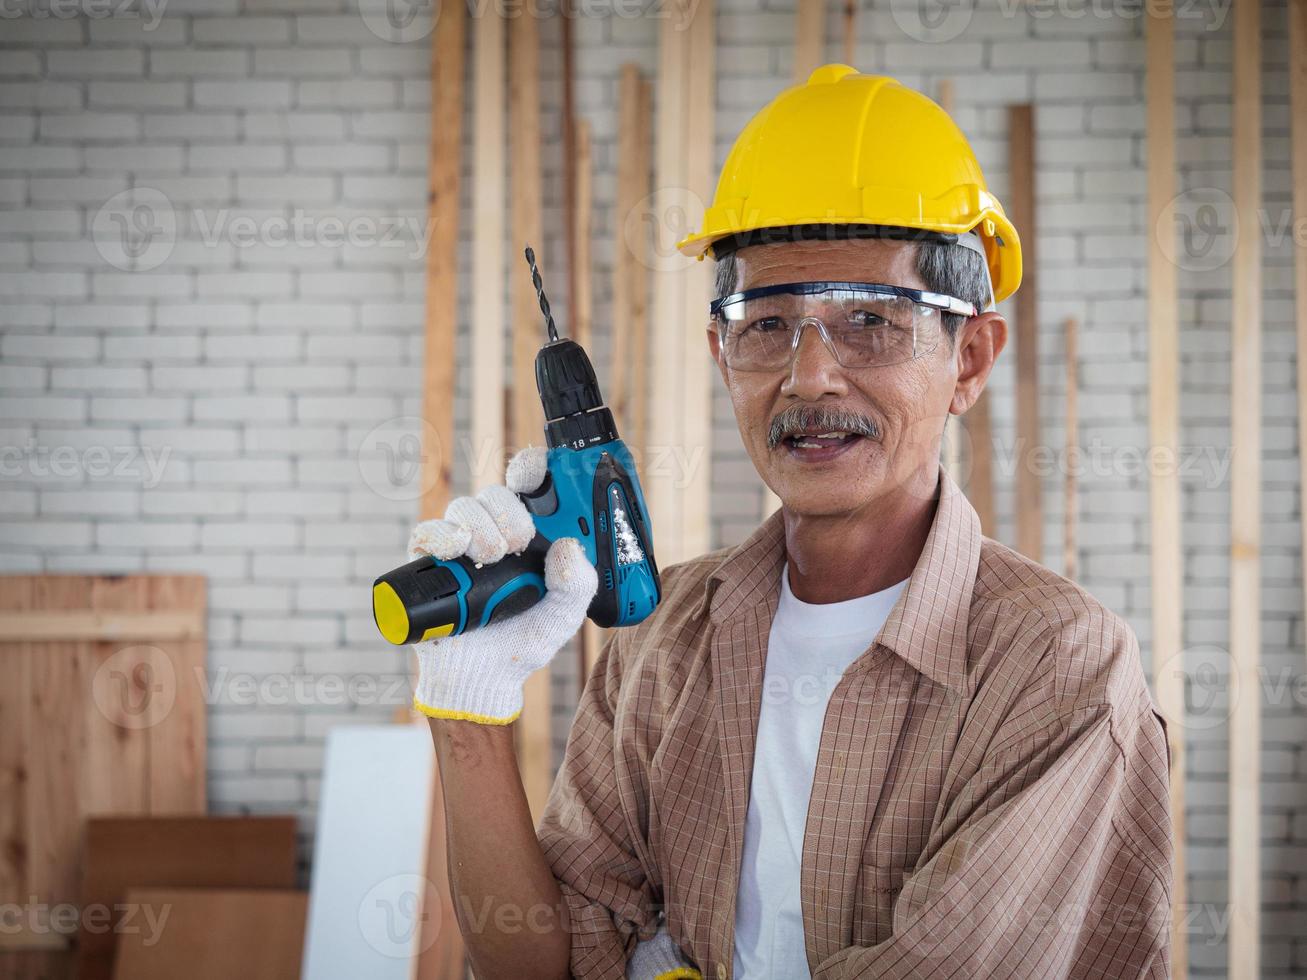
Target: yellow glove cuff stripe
(431, 712)
(680, 973)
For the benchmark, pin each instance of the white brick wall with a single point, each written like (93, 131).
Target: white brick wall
(252, 373)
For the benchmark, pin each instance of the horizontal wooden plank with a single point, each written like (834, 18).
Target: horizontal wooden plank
(95, 626)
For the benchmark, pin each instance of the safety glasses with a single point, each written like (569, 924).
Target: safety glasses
(863, 324)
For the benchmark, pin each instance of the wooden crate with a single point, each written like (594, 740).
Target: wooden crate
(101, 712)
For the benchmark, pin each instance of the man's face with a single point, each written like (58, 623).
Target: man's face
(900, 408)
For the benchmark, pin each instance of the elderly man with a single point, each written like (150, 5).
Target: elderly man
(868, 741)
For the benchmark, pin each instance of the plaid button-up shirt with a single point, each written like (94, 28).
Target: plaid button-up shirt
(991, 790)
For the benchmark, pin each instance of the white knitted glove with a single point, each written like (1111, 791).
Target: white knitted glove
(659, 958)
(478, 676)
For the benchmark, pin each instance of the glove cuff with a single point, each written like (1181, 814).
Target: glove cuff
(660, 958)
(454, 683)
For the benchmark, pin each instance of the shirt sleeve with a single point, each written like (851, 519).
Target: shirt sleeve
(1054, 860)
(594, 831)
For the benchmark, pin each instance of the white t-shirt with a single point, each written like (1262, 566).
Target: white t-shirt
(809, 647)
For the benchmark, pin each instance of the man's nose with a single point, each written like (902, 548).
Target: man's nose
(813, 367)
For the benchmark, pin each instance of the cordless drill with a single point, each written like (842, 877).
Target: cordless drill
(590, 492)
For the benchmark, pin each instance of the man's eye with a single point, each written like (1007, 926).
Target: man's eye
(767, 324)
(866, 318)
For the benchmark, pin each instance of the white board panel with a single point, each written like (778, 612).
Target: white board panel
(369, 885)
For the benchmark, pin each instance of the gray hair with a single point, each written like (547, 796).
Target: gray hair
(944, 268)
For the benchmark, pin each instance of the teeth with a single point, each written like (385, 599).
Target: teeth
(799, 436)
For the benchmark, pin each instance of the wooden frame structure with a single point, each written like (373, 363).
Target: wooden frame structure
(1245, 500)
(680, 378)
(1029, 510)
(1166, 556)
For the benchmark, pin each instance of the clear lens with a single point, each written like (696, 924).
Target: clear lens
(867, 329)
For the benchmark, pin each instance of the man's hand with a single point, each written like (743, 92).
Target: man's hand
(478, 676)
(659, 958)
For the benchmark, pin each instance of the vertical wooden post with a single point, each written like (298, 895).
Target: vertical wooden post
(668, 303)
(442, 944)
(700, 94)
(1071, 497)
(681, 428)
(1029, 511)
(850, 31)
(1298, 144)
(1245, 499)
(954, 430)
(630, 280)
(590, 639)
(534, 741)
(809, 38)
(489, 173)
(1166, 556)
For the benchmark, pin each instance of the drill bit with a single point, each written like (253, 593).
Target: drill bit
(540, 293)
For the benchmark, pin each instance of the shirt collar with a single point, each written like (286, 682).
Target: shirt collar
(928, 625)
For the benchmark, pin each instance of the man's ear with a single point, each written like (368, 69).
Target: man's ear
(715, 348)
(979, 342)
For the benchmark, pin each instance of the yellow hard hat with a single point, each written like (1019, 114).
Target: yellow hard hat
(851, 149)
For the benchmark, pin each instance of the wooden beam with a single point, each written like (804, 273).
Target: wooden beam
(104, 626)
(1029, 510)
(1244, 945)
(590, 639)
(809, 38)
(1166, 556)
(665, 424)
(441, 329)
(569, 143)
(442, 944)
(630, 316)
(697, 417)
(489, 178)
(850, 31)
(534, 734)
(954, 430)
(1298, 144)
(1071, 502)
(627, 370)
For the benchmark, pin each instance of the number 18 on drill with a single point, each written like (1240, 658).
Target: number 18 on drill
(591, 492)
